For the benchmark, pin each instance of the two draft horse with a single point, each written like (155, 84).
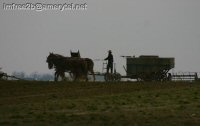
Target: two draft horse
(77, 67)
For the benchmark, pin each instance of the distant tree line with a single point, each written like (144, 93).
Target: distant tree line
(33, 76)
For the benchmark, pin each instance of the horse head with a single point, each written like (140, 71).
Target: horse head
(50, 60)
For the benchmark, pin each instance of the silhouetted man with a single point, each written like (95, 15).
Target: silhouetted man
(110, 61)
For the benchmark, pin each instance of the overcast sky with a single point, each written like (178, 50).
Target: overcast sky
(168, 28)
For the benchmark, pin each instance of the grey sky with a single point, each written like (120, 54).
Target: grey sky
(168, 28)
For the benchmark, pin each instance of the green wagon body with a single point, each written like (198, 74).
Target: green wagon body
(149, 67)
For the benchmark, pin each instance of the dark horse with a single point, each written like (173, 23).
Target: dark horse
(78, 67)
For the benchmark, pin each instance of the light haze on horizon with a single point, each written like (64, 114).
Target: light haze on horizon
(168, 28)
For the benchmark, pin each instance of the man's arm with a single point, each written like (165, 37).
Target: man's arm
(106, 58)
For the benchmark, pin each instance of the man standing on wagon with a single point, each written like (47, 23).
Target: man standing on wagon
(110, 61)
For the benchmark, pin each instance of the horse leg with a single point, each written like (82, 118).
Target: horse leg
(86, 77)
(75, 77)
(92, 72)
(62, 76)
(72, 76)
(56, 76)
(93, 75)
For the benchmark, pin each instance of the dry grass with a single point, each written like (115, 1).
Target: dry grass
(123, 103)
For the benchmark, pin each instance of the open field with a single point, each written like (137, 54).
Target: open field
(123, 103)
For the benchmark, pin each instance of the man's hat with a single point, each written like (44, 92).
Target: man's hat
(109, 51)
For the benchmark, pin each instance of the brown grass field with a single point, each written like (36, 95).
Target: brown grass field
(98, 103)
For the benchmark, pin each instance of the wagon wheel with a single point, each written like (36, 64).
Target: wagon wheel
(164, 77)
(140, 77)
(117, 76)
(108, 77)
(112, 77)
(160, 76)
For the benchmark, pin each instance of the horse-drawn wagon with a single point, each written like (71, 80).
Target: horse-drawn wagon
(147, 67)
(142, 68)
